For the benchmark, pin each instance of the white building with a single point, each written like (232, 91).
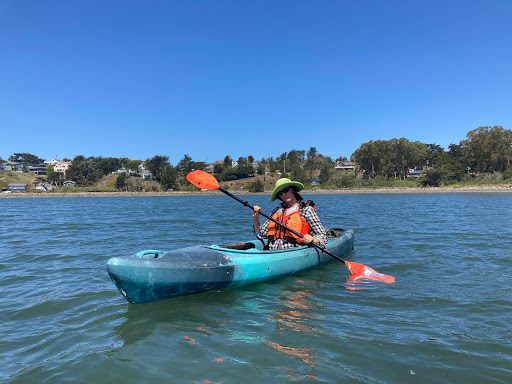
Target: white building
(52, 162)
(61, 166)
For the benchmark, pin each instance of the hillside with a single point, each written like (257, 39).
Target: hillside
(243, 184)
(10, 177)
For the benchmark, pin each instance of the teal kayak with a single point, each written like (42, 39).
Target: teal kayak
(158, 275)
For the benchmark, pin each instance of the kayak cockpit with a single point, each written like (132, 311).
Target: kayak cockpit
(261, 245)
(242, 246)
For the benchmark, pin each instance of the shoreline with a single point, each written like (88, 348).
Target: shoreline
(498, 189)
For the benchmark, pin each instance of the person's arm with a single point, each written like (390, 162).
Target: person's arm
(316, 229)
(259, 230)
(256, 218)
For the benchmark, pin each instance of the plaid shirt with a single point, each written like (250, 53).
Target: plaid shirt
(315, 229)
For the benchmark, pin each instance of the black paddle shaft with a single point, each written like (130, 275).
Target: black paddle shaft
(318, 246)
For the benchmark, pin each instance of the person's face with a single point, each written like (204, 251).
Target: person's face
(286, 194)
(282, 191)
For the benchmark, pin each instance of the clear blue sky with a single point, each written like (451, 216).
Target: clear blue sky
(211, 78)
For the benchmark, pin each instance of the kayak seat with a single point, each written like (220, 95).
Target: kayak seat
(334, 232)
(241, 246)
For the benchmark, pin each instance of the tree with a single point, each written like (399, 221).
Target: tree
(169, 178)
(228, 161)
(326, 171)
(488, 149)
(243, 169)
(366, 160)
(25, 158)
(300, 175)
(187, 165)
(83, 171)
(53, 177)
(447, 169)
(156, 165)
(433, 178)
(295, 159)
(273, 164)
(312, 152)
(434, 153)
(121, 181)
(133, 165)
(217, 170)
(407, 155)
(261, 168)
(108, 165)
(257, 186)
(391, 158)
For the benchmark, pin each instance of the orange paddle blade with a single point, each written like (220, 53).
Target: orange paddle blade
(202, 180)
(361, 271)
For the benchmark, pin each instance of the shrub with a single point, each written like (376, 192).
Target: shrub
(257, 186)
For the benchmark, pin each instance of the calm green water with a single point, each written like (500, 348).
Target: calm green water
(448, 317)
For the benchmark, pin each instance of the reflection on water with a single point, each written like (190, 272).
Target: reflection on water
(229, 317)
(354, 283)
(294, 313)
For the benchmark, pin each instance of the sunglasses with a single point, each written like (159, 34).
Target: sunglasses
(284, 190)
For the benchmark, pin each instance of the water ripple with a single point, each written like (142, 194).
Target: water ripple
(446, 318)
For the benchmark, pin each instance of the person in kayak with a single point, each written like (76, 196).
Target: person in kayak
(294, 213)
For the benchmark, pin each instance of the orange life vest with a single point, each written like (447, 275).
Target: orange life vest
(292, 219)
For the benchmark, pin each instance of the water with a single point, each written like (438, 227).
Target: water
(446, 319)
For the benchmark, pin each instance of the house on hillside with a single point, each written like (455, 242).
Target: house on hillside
(315, 181)
(61, 166)
(53, 162)
(15, 167)
(18, 187)
(345, 166)
(38, 169)
(415, 173)
(209, 168)
(147, 175)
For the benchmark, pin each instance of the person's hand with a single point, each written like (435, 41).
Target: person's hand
(256, 211)
(308, 239)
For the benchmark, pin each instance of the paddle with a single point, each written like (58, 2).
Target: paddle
(204, 180)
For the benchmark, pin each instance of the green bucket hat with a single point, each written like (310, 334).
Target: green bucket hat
(283, 183)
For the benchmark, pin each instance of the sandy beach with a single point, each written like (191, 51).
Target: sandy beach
(491, 189)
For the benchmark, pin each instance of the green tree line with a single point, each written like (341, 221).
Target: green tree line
(486, 151)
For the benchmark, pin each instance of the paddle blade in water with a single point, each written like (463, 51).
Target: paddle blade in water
(361, 271)
(202, 180)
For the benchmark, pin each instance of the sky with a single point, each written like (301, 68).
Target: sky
(210, 78)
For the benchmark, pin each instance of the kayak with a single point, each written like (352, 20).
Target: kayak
(158, 275)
